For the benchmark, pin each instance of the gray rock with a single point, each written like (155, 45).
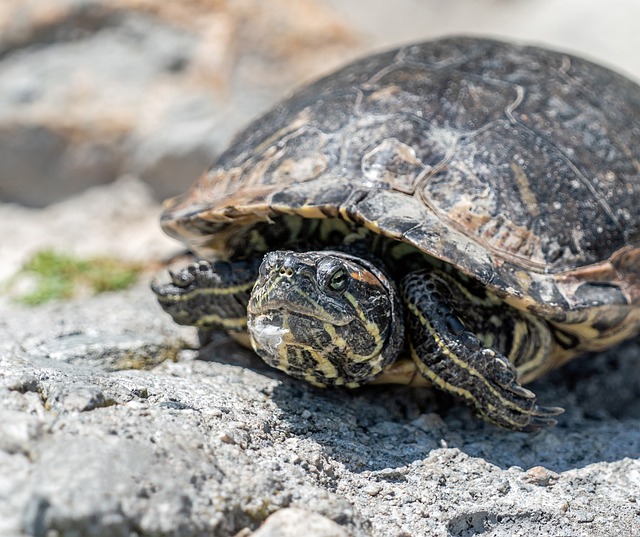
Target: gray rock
(291, 522)
(91, 89)
(118, 220)
(215, 442)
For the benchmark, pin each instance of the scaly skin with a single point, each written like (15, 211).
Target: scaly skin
(332, 319)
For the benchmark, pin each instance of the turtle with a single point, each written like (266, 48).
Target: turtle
(461, 213)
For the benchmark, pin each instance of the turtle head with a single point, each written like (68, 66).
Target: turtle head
(326, 317)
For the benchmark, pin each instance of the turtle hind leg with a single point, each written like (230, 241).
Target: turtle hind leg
(454, 358)
(210, 296)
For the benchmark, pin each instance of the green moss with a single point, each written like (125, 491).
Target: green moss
(62, 276)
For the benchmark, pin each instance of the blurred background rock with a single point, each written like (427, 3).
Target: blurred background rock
(91, 90)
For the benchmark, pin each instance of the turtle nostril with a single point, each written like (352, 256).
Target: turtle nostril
(283, 263)
(286, 271)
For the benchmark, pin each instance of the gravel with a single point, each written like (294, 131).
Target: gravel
(112, 424)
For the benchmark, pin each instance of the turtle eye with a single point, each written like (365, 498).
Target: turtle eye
(339, 279)
(332, 275)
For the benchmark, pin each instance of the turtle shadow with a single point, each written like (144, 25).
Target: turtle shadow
(381, 428)
(222, 349)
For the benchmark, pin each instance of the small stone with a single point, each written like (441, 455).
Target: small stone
(137, 406)
(583, 516)
(226, 438)
(23, 384)
(373, 490)
(18, 430)
(430, 423)
(292, 522)
(317, 460)
(82, 399)
(541, 476)
(503, 486)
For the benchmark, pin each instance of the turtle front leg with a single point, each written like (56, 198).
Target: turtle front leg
(210, 296)
(446, 326)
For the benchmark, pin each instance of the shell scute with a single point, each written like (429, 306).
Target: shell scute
(517, 165)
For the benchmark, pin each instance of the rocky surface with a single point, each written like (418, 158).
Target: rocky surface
(120, 220)
(112, 423)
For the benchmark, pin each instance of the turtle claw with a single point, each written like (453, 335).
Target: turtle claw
(525, 415)
(541, 417)
(521, 415)
(537, 423)
(504, 374)
(209, 295)
(520, 391)
(181, 279)
(518, 410)
(518, 403)
(545, 411)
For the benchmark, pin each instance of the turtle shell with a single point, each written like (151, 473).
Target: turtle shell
(518, 165)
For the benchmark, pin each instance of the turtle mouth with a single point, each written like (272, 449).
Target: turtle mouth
(267, 334)
(269, 309)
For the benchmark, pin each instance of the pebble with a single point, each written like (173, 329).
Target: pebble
(293, 522)
(541, 476)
